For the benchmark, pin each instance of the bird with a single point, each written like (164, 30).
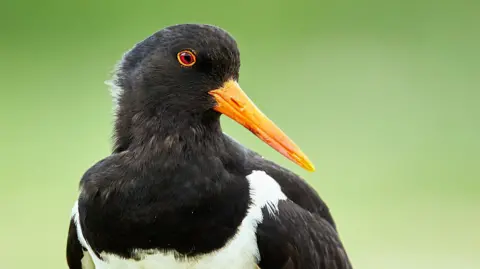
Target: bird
(176, 191)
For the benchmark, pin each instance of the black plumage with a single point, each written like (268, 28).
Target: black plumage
(175, 183)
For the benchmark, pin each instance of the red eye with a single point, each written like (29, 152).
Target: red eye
(186, 58)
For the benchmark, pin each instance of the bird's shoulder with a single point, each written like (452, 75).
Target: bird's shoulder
(105, 177)
(314, 244)
(292, 185)
(98, 171)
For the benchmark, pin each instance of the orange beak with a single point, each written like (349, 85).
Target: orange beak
(234, 103)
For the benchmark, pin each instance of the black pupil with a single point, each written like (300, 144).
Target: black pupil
(187, 58)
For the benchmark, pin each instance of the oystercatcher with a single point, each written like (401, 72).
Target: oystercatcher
(176, 192)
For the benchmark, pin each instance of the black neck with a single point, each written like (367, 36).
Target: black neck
(173, 134)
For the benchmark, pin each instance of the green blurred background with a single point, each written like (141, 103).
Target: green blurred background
(382, 95)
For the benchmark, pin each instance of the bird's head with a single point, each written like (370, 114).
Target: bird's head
(187, 76)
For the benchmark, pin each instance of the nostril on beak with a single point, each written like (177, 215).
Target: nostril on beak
(240, 106)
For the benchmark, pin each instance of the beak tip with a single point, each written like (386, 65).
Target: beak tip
(310, 167)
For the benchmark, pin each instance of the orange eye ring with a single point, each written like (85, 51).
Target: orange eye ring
(186, 58)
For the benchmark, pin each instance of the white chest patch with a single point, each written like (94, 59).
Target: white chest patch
(241, 252)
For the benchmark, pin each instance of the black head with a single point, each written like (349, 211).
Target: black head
(173, 70)
(169, 74)
(173, 86)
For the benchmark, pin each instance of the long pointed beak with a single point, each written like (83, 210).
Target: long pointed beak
(234, 103)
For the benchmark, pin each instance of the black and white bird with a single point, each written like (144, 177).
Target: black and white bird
(178, 193)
